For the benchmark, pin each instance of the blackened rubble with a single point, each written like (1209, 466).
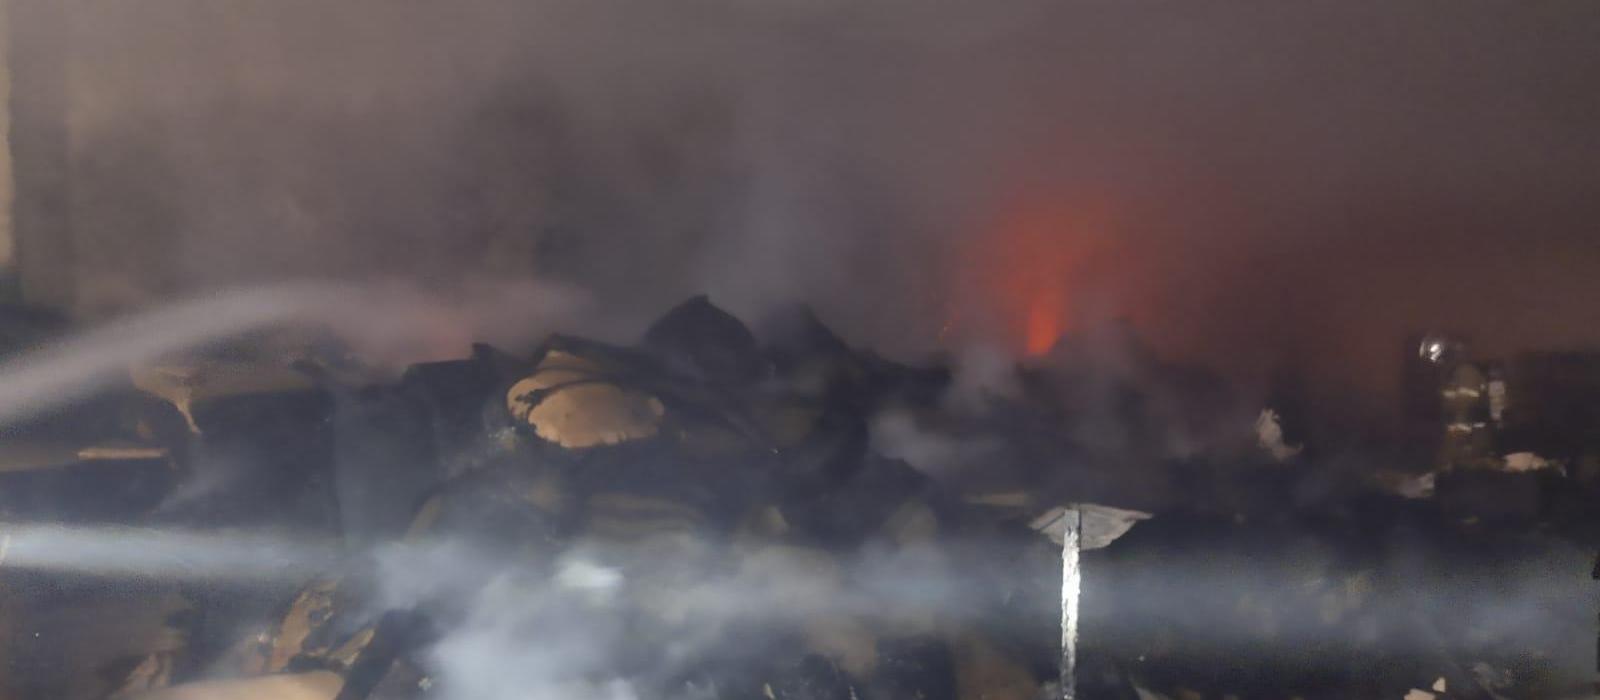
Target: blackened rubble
(713, 512)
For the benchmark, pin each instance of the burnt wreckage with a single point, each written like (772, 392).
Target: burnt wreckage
(702, 515)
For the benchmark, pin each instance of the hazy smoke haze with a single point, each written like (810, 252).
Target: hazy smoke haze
(1252, 184)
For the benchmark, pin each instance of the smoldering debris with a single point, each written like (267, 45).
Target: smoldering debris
(783, 515)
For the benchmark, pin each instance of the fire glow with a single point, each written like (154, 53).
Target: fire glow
(1025, 272)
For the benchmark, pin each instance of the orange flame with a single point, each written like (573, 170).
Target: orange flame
(1021, 275)
(1046, 323)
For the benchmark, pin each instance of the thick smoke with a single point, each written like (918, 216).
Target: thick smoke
(1257, 185)
(1253, 185)
(521, 630)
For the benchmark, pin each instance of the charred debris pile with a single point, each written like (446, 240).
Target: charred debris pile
(819, 521)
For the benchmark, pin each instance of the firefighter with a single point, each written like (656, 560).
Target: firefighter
(1464, 395)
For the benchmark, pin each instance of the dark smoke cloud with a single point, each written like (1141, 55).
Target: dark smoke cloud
(1272, 183)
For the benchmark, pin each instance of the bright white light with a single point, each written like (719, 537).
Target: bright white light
(1432, 350)
(1071, 588)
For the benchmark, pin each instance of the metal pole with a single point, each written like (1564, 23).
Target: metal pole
(1071, 588)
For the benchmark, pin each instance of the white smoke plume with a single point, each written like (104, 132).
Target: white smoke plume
(387, 324)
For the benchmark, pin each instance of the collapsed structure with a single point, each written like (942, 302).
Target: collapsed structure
(708, 515)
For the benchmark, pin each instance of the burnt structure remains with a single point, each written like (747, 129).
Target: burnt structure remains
(719, 513)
